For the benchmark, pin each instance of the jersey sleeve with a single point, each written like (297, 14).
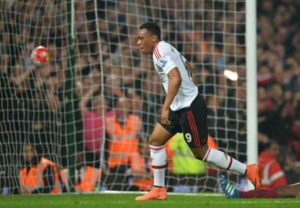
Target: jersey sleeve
(167, 64)
(165, 60)
(183, 58)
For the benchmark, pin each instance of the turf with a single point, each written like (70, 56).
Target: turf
(127, 200)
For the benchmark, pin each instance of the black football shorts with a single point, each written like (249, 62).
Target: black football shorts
(192, 122)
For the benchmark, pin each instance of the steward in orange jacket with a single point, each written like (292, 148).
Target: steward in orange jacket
(123, 129)
(141, 168)
(271, 173)
(40, 175)
(86, 180)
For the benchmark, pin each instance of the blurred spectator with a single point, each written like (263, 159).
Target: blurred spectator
(8, 133)
(152, 97)
(93, 122)
(35, 87)
(271, 173)
(137, 106)
(183, 165)
(293, 136)
(123, 129)
(136, 102)
(39, 175)
(263, 142)
(113, 89)
(140, 168)
(278, 73)
(87, 177)
(185, 168)
(291, 166)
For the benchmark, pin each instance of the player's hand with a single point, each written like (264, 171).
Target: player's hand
(164, 118)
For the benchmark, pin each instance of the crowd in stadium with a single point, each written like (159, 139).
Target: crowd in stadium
(278, 81)
(33, 101)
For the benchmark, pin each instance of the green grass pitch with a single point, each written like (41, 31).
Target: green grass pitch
(127, 200)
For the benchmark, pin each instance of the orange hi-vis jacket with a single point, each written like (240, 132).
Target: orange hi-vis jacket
(138, 165)
(271, 173)
(124, 139)
(33, 179)
(89, 177)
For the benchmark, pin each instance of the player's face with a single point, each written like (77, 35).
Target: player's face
(146, 41)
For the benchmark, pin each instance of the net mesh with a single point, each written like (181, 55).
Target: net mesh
(117, 96)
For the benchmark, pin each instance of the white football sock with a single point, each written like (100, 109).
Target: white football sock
(222, 160)
(159, 162)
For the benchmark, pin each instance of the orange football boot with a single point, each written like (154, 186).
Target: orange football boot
(252, 174)
(156, 193)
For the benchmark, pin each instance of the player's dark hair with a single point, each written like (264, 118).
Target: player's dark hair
(152, 28)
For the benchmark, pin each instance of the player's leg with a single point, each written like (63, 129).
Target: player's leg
(158, 155)
(219, 159)
(289, 191)
(196, 133)
(229, 189)
(232, 192)
(194, 124)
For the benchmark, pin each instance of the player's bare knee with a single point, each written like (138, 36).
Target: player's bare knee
(155, 141)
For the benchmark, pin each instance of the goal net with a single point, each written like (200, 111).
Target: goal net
(92, 117)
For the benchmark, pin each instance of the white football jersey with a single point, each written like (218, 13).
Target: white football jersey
(166, 58)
